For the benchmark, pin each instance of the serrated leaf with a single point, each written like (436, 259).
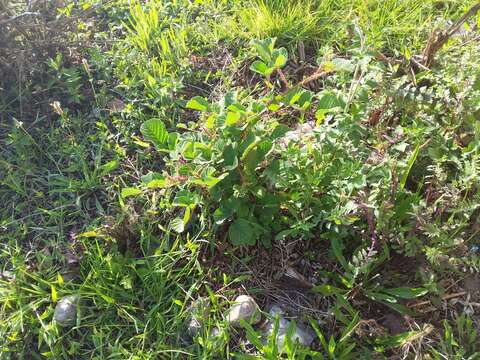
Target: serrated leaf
(198, 103)
(154, 130)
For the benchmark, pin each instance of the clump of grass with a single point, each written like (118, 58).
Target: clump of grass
(393, 24)
(288, 20)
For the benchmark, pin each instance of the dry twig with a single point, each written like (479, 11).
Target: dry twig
(439, 37)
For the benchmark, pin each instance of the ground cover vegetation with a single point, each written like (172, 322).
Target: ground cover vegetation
(320, 156)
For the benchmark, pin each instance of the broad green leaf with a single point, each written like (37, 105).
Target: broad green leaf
(158, 183)
(198, 103)
(241, 232)
(264, 48)
(305, 99)
(402, 309)
(329, 101)
(130, 191)
(232, 118)
(154, 130)
(209, 181)
(238, 108)
(280, 57)
(259, 154)
(261, 68)
(251, 334)
(346, 65)
(230, 159)
(110, 166)
(152, 176)
(379, 296)
(186, 198)
(154, 180)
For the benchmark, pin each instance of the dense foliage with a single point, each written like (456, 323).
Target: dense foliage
(157, 152)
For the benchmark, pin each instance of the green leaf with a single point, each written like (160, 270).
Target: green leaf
(209, 181)
(327, 290)
(110, 166)
(232, 118)
(305, 99)
(154, 180)
(397, 340)
(264, 48)
(350, 328)
(154, 130)
(230, 160)
(402, 309)
(319, 333)
(130, 191)
(241, 232)
(261, 68)
(186, 198)
(54, 293)
(331, 346)
(251, 334)
(280, 57)
(198, 103)
(410, 163)
(151, 176)
(178, 225)
(337, 251)
(329, 101)
(406, 293)
(340, 64)
(187, 215)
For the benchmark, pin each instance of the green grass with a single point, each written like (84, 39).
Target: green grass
(388, 25)
(131, 215)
